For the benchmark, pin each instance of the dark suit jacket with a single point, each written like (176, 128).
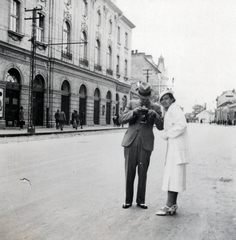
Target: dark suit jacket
(135, 127)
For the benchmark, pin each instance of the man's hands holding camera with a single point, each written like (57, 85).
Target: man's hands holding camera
(141, 110)
(153, 114)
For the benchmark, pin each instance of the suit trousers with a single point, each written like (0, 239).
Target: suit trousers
(136, 156)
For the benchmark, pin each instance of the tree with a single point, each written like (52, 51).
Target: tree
(197, 108)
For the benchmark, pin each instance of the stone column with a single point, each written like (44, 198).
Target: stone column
(90, 110)
(103, 112)
(2, 117)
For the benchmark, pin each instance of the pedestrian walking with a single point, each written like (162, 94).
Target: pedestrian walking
(73, 120)
(21, 118)
(57, 114)
(138, 141)
(76, 120)
(81, 119)
(118, 120)
(177, 155)
(115, 120)
(62, 120)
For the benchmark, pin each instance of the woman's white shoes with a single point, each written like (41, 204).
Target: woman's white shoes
(167, 210)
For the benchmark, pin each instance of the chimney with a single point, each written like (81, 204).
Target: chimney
(136, 51)
(132, 52)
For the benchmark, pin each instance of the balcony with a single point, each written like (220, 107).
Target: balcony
(97, 67)
(109, 71)
(66, 55)
(84, 62)
(16, 36)
(117, 74)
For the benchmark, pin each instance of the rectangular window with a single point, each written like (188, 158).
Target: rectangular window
(118, 65)
(40, 28)
(126, 66)
(126, 40)
(15, 16)
(85, 8)
(118, 34)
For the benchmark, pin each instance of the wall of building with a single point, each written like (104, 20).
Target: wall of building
(54, 68)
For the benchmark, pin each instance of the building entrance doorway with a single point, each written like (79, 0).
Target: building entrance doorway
(65, 99)
(96, 111)
(38, 100)
(12, 98)
(108, 108)
(82, 103)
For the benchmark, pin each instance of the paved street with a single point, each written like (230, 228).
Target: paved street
(68, 186)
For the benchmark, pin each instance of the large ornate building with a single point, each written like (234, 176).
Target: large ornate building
(82, 60)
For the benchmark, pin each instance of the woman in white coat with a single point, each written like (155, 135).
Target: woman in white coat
(177, 154)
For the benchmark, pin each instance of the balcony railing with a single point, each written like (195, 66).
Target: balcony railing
(109, 71)
(117, 74)
(67, 55)
(97, 67)
(84, 62)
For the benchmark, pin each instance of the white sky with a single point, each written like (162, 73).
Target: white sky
(197, 39)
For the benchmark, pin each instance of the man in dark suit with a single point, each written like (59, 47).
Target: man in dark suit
(138, 141)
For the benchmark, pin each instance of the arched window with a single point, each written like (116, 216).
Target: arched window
(85, 8)
(66, 37)
(110, 26)
(109, 58)
(97, 52)
(99, 18)
(84, 46)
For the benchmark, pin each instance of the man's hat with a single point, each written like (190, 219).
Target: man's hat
(144, 90)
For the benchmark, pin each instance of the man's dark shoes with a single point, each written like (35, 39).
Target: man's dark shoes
(142, 205)
(126, 205)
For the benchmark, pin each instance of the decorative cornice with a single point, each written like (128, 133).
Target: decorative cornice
(93, 1)
(84, 27)
(98, 35)
(67, 15)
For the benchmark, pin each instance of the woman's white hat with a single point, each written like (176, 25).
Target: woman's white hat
(164, 93)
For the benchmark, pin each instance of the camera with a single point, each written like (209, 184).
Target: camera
(143, 115)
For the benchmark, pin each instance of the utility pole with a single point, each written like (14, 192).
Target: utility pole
(31, 126)
(148, 73)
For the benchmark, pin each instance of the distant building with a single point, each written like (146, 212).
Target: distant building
(143, 68)
(206, 116)
(163, 79)
(226, 106)
(82, 60)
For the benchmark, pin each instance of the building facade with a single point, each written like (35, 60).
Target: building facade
(143, 68)
(226, 107)
(206, 116)
(82, 60)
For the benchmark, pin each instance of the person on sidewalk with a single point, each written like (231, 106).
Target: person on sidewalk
(73, 121)
(115, 120)
(81, 119)
(57, 114)
(62, 120)
(21, 118)
(76, 120)
(177, 155)
(138, 141)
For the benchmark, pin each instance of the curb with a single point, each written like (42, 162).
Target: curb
(59, 132)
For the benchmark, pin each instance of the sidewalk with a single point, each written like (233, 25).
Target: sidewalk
(47, 131)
